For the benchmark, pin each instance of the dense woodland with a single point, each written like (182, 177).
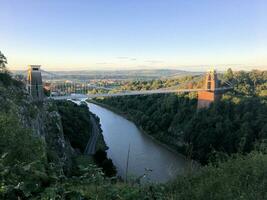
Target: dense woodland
(180, 82)
(31, 168)
(76, 123)
(77, 128)
(237, 123)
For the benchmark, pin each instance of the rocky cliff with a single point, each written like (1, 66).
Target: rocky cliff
(41, 117)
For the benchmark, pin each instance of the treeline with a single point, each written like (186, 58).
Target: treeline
(253, 83)
(237, 123)
(189, 82)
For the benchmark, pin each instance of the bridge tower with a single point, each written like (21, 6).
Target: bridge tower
(205, 98)
(34, 82)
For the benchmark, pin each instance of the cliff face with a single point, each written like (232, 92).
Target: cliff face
(42, 118)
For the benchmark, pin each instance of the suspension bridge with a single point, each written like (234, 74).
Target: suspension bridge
(131, 93)
(71, 90)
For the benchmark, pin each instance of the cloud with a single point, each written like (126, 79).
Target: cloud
(122, 57)
(154, 61)
(126, 58)
(103, 63)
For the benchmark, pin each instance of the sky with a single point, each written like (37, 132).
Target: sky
(190, 35)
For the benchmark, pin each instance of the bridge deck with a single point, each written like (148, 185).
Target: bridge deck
(129, 93)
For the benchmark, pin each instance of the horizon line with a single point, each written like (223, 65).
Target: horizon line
(140, 69)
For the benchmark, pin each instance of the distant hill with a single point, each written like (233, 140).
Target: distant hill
(120, 74)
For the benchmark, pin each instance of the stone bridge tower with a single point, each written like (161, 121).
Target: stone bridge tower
(205, 98)
(34, 82)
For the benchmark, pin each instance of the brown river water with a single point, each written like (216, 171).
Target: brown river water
(146, 156)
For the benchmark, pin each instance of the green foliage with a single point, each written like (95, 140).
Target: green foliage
(5, 78)
(17, 142)
(24, 169)
(252, 83)
(226, 127)
(37, 180)
(46, 92)
(105, 163)
(181, 82)
(3, 61)
(243, 177)
(76, 123)
(23, 158)
(229, 75)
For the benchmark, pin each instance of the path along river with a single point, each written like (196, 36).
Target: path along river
(146, 155)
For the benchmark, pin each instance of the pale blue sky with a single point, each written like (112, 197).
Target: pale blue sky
(130, 34)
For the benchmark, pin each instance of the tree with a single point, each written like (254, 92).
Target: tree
(18, 142)
(5, 76)
(3, 61)
(229, 75)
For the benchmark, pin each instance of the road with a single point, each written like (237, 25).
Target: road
(91, 145)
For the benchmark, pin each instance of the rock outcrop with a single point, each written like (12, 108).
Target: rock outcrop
(40, 117)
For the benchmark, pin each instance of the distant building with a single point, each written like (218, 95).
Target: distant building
(34, 82)
(205, 98)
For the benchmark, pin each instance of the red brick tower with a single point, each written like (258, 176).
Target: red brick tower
(205, 98)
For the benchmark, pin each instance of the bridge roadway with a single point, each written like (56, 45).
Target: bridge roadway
(129, 93)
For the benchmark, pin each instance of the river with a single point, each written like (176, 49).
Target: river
(145, 154)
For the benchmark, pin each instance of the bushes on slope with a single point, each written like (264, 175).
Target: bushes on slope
(240, 178)
(76, 123)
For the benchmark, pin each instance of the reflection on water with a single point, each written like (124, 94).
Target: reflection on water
(145, 154)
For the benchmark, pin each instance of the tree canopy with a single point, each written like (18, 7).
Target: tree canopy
(3, 61)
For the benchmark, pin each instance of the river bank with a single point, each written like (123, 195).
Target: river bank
(96, 148)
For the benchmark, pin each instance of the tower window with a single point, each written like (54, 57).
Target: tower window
(37, 91)
(209, 86)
